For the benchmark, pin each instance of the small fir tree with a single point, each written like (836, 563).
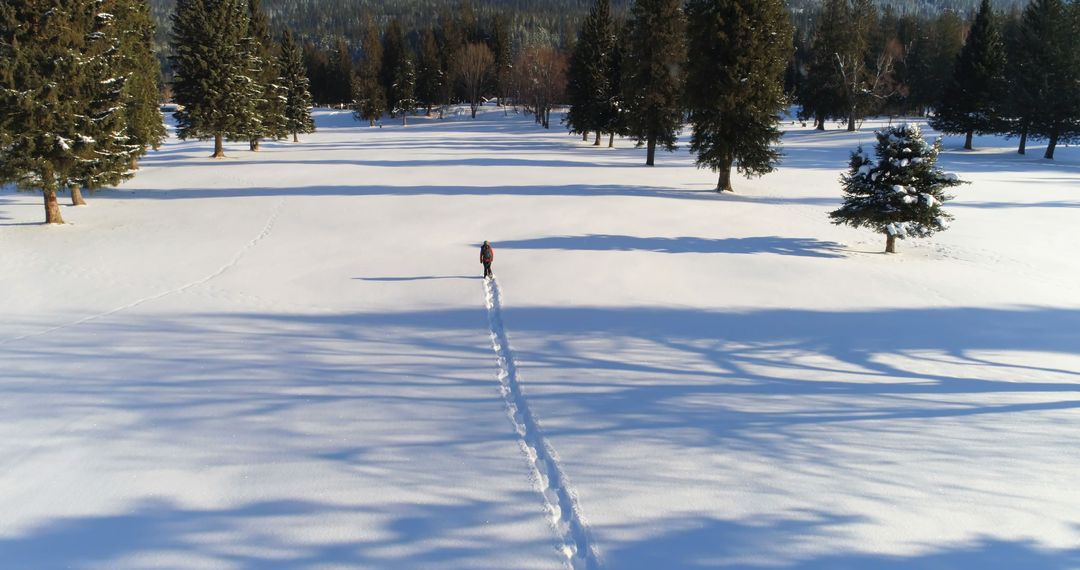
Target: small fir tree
(901, 192)
(653, 74)
(974, 99)
(738, 51)
(294, 79)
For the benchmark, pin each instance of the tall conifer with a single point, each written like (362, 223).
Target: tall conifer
(270, 103)
(737, 53)
(294, 80)
(974, 99)
(653, 74)
(370, 102)
(1048, 44)
(145, 124)
(590, 89)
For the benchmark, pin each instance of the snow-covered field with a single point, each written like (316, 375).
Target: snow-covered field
(286, 359)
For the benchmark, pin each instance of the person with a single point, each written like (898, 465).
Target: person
(487, 255)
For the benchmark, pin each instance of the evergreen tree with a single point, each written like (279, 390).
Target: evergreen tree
(45, 98)
(1020, 102)
(900, 193)
(591, 95)
(501, 49)
(370, 102)
(213, 62)
(341, 73)
(974, 99)
(1049, 47)
(270, 104)
(144, 122)
(737, 53)
(452, 40)
(294, 80)
(653, 74)
(405, 88)
(834, 40)
(100, 89)
(429, 78)
(395, 58)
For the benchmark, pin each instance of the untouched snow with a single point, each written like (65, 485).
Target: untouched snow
(287, 359)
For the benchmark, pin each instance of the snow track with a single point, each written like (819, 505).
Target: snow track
(267, 228)
(559, 498)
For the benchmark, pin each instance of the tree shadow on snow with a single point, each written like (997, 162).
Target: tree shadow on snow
(803, 247)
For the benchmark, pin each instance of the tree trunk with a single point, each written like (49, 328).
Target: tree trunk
(428, 111)
(890, 243)
(1023, 141)
(254, 145)
(48, 190)
(724, 182)
(473, 108)
(597, 142)
(585, 136)
(851, 122)
(76, 196)
(134, 164)
(650, 152)
(219, 146)
(1051, 145)
(967, 141)
(820, 122)
(371, 123)
(294, 137)
(611, 140)
(404, 120)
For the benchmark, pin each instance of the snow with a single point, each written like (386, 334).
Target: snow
(286, 359)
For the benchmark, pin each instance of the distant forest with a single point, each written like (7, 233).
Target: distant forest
(533, 22)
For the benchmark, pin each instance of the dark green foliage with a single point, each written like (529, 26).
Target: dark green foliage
(370, 102)
(834, 40)
(294, 81)
(429, 78)
(213, 65)
(737, 53)
(590, 88)
(1048, 54)
(145, 124)
(395, 64)
(52, 96)
(899, 194)
(341, 74)
(653, 73)
(931, 59)
(452, 39)
(502, 48)
(270, 104)
(974, 99)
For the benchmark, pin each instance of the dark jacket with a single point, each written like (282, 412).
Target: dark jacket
(487, 255)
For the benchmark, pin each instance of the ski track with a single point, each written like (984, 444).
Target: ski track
(559, 499)
(231, 263)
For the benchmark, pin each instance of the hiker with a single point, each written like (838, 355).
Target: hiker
(487, 255)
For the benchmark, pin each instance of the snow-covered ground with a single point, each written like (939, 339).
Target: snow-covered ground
(287, 359)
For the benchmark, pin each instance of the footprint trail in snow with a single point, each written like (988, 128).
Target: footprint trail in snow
(559, 499)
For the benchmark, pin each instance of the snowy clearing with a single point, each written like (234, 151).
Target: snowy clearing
(287, 359)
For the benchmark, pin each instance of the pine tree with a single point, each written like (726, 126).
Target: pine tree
(43, 105)
(270, 104)
(294, 80)
(405, 87)
(452, 40)
(429, 78)
(370, 102)
(899, 194)
(653, 74)
(395, 58)
(738, 50)
(213, 63)
(1048, 45)
(100, 88)
(341, 73)
(501, 49)
(834, 40)
(591, 94)
(974, 99)
(145, 124)
(1020, 101)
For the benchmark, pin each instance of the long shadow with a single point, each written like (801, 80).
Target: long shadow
(419, 278)
(803, 247)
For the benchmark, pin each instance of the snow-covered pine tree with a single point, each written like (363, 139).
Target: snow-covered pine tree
(974, 98)
(395, 57)
(653, 77)
(405, 88)
(294, 79)
(42, 74)
(213, 63)
(105, 152)
(145, 124)
(737, 53)
(270, 103)
(370, 98)
(901, 192)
